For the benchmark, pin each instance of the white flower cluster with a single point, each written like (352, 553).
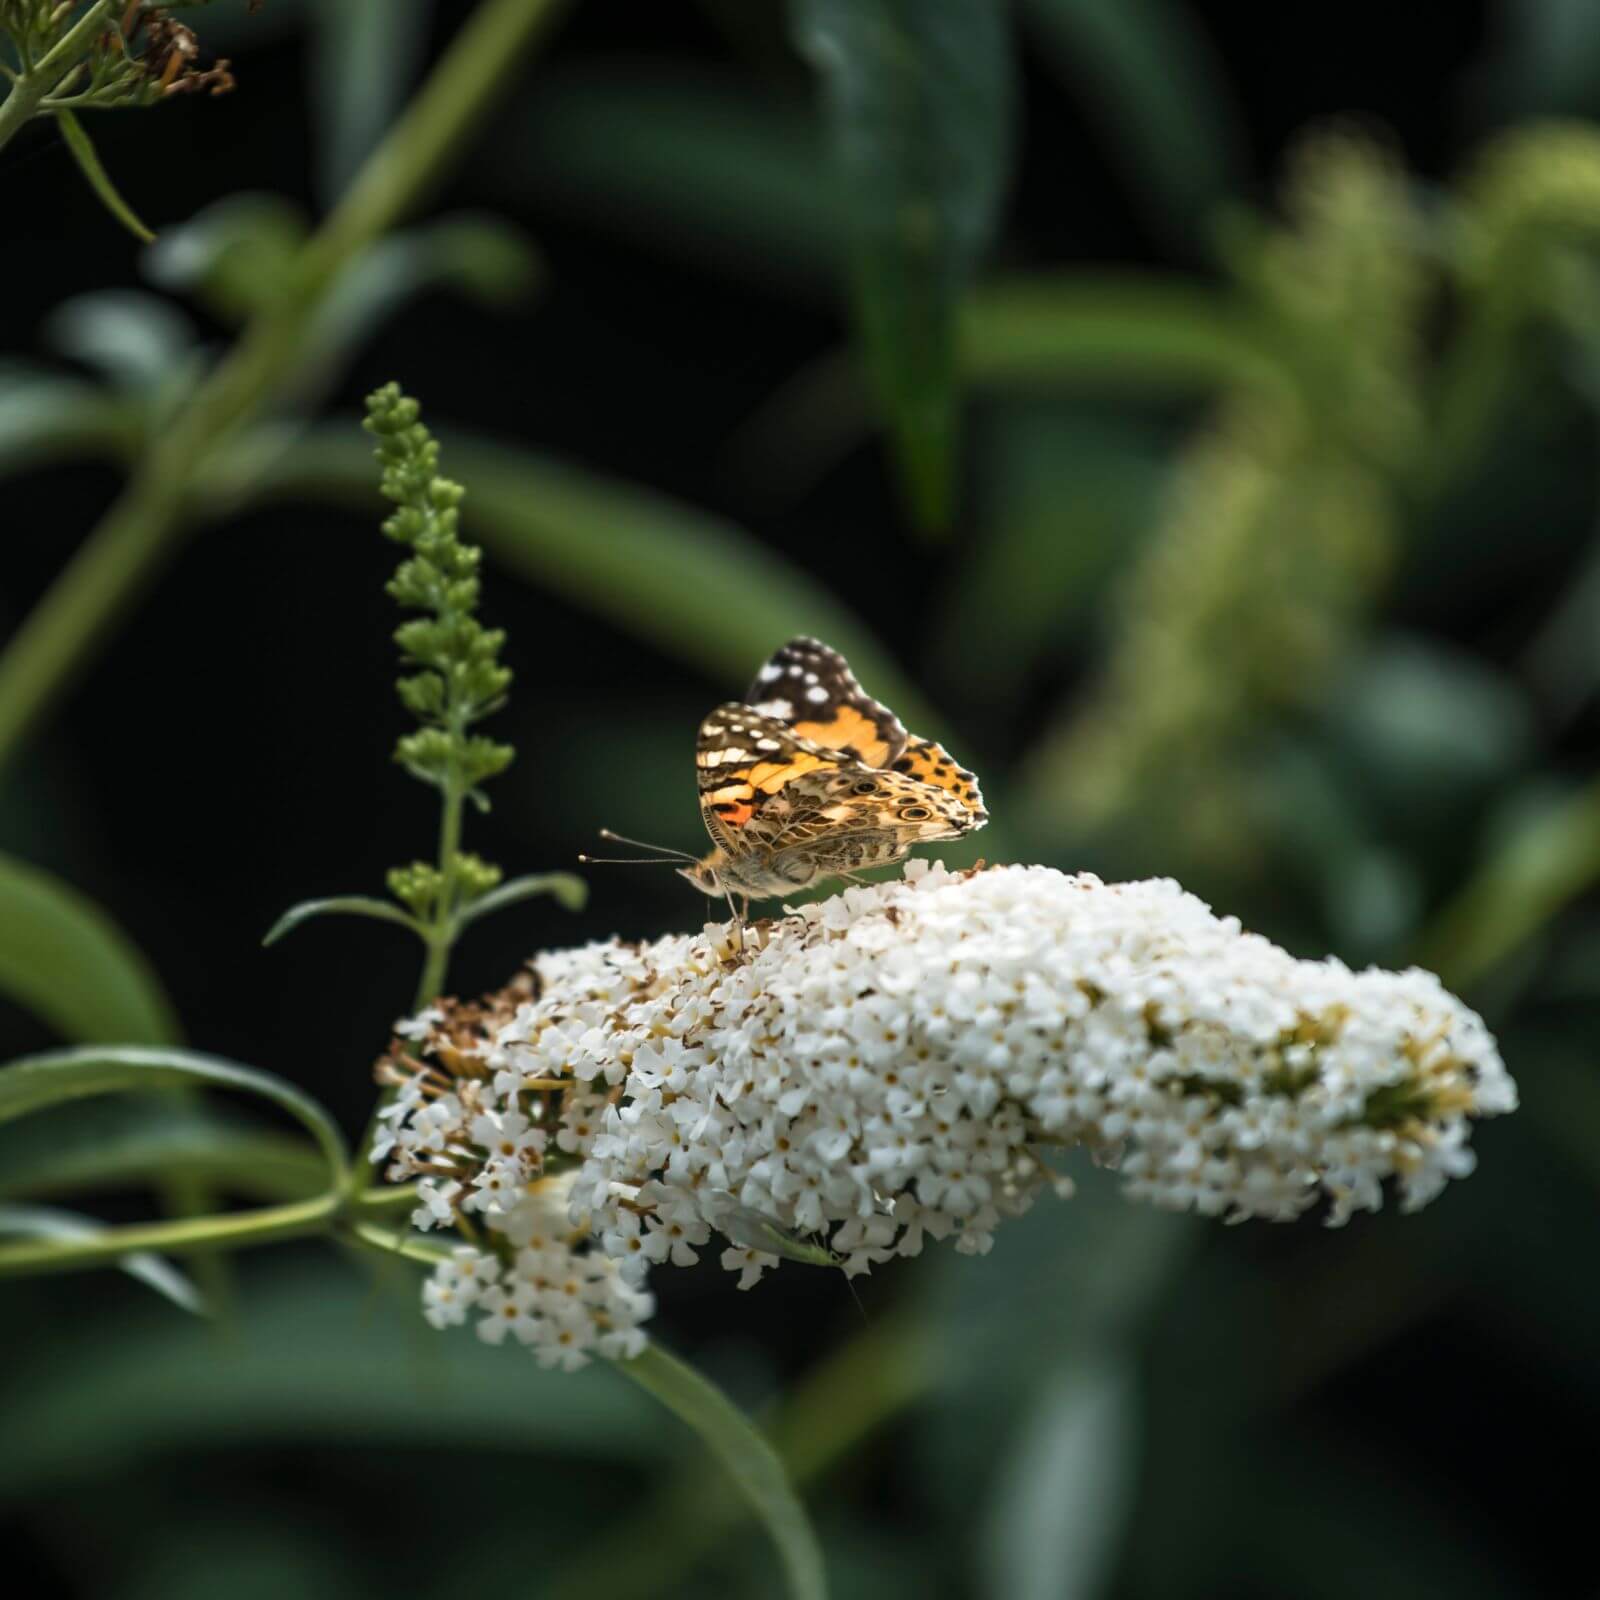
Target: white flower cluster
(899, 1063)
(560, 1301)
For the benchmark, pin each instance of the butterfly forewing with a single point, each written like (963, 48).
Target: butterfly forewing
(811, 690)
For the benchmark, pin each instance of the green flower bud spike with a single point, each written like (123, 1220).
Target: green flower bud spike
(453, 679)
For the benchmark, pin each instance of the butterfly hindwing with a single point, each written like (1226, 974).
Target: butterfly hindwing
(930, 763)
(811, 690)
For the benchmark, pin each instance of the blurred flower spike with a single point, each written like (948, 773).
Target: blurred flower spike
(900, 1063)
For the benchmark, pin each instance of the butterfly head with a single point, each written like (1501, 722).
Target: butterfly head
(706, 873)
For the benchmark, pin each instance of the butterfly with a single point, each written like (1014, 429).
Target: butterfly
(809, 778)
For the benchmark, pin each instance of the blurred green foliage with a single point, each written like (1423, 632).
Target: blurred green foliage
(1270, 564)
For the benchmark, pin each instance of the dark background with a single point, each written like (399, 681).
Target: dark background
(1394, 1409)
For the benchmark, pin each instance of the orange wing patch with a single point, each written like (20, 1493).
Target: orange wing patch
(930, 763)
(851, 730)
(812, 691)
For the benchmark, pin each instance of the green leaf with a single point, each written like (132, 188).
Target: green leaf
(751, 1462)
(45, 1222)
(366, 54)
(698, 587)
(1547, 853)
(1066, 493)
(349, 905)
(1063, 1497)
(123, 1144)
(917, 105)
(68, 963)
(1144, 71)
(45, 417)
(138, 340)
(312, 1358)
(568, 890)
(1145, 334)
(718, 170)
(36, 1082)
(84, 153)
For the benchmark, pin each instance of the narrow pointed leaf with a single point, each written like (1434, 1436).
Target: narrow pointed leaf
(70, 965)
(348, 905)
(156, 1272)
(917, 104)
(1145, 72)
(129, 1143)
(750, 1460)
(366, 54)
(567, 889)
(88, 159)
(60, 1076)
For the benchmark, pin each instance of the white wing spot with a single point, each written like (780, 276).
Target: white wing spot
(768, 744)
(817, 694)
(770, 671)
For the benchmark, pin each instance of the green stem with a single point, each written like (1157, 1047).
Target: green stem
(442, 934)
(47, 73)
(207, 1235)
(862, 1386)
(184, 1236)
(76, 615)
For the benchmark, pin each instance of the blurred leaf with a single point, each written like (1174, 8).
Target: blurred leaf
(714, 169)
(350, 905)
(365, 55)
(566, 889)
(1146, 73)
(1066, 1286)
(696, 586)
(121, 1144)
(1057, 1513)
(44, 416)
(1543, 854)
(1542, 58)
(89, 164)
(1130, 332)
(1423, 725)
(36, 1082)
(137, 340)
(481, 256)
(264, 1557)
(314, 1358)
(69, 964)
(917, 104)
(235, 257)
(1065, 493)
(44, 1222)
(750, 1462)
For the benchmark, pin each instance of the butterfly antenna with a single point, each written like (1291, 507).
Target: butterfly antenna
(642, 844)
(627, 861)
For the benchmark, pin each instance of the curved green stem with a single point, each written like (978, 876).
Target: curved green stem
(77, 614)
(183, 1236)
(36, 81)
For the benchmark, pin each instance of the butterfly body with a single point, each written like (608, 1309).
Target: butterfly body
(809, 778)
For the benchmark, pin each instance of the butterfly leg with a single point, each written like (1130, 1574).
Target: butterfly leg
(737, 920)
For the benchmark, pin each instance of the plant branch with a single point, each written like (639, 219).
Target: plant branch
(102, 579)
(29, 89)
(182, 1236)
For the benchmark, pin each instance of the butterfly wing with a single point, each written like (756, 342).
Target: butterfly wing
(812, 691)
(746, 764)
(931, 764)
